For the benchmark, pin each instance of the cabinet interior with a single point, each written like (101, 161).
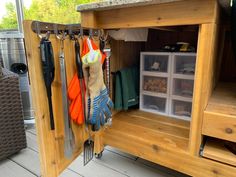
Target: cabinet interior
(161, 127)
(152, 126)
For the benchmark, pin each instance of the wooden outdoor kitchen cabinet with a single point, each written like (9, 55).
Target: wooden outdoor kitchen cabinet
(172, 143)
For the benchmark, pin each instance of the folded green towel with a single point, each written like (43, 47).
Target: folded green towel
(127, 88)
(118, 92)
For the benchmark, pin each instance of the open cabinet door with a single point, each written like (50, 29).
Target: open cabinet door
(51, 142)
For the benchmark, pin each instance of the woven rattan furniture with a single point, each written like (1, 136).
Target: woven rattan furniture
(12, 133)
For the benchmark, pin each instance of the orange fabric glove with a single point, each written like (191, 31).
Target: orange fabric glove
(76, 107)
(74, 88)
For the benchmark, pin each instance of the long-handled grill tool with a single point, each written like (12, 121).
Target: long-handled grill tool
(88, 144)
(107, 51)
(69, 141)
(47, 58)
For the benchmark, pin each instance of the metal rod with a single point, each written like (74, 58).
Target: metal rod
(20, 15)
(75, 28)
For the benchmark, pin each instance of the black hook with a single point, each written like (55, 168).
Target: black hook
(70, 32)
(47, 35)
(90, 33)
(38, 29)
(81, 33)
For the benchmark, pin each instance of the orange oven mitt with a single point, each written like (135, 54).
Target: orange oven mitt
(76, 107)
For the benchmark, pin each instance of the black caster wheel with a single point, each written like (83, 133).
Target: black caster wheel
(99, 155)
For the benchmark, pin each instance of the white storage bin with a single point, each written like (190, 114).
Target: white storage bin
(155, 84)
(184, 63)
(153, 104)
(155, 62)
(166, 83)
(181, 109)
(182, 87)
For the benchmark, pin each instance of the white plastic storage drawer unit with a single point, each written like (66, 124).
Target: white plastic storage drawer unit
(155, 82)
(166, 83)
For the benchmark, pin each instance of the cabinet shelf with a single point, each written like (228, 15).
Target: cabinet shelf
(144, 129)
(220, 113)
(215, 149)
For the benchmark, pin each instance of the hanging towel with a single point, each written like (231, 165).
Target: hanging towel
(127, 88)
(136, 35)
(118, 92)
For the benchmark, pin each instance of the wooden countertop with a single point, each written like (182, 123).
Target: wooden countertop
(114, 4)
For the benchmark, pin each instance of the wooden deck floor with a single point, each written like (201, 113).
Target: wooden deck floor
(114, 163)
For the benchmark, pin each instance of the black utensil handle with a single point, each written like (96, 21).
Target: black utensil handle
(52, 125)
(78, 60)
(47, 60)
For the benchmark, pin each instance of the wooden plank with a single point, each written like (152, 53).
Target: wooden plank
(70, 65)
(88, 19)
(176, 160)
(45, 135)
(159, 118)
(223, 99)
(204, 81)
(28, 159)
(79, 131)
(168, 14)
(163, 135)
(220, 113)
(220, 126)
(93, 169)
(51, 143)
(215, 150)
(153, 126)
(128, 166)
(161, 168)
(9, 168)
(123, 58)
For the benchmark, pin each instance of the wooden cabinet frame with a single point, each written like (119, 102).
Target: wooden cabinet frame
(206, 14)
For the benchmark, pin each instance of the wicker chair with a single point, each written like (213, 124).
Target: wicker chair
(12, 132)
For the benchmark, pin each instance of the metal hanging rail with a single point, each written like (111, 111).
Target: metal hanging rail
(54, 28)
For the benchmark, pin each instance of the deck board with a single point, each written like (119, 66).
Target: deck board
(129, 167)
(32, 142)
(93, 169)
(28, 159)
(120, 153)
(114, 163)
(10, 169)
(70, 173)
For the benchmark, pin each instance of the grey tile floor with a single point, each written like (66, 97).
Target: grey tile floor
(113, 163)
